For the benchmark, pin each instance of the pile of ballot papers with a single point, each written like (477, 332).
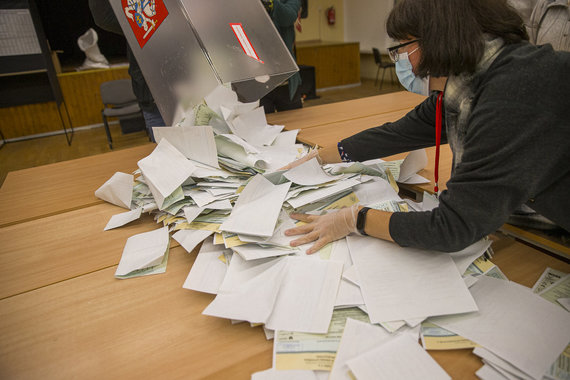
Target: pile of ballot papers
(356, 308)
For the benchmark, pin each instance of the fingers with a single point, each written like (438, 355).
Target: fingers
(299, 230)
(312, 236)
(304, 217)
(317, 246)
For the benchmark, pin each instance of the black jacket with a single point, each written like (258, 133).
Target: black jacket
(516, 151)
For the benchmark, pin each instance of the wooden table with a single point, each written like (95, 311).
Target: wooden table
(64, 315)
(305, 118)
(38, 192)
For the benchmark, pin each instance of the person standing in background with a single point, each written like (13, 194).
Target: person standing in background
(287, 96)
(550, 24)
(524, 9)
(105, 18)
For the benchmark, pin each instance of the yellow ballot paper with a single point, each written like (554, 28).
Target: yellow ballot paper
(294, 350)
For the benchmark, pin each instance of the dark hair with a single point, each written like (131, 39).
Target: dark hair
(451, 32)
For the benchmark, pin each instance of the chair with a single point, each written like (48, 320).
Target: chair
(382, 65)
(118, 101)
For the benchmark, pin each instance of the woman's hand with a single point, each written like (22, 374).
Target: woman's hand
(323, 228)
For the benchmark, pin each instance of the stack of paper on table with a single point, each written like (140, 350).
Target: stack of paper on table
(428, 282)
(514, 324)
(222, 180)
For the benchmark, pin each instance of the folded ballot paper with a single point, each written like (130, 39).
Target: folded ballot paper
(194, 142)
(165, 170)
(144, 254)
(118, 190)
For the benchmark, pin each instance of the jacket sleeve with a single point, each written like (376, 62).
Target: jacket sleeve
(513, 150)
(413, 131)
(285, 12)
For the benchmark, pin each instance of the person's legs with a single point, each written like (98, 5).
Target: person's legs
(268, 102)
(283, 102)
(104, 16)
(152, 118)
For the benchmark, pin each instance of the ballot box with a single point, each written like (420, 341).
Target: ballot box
(185, 48)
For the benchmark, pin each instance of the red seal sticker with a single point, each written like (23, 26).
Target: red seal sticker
(144, 16)
(244, 41)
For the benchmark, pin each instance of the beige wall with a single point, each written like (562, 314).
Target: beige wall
(315, 26)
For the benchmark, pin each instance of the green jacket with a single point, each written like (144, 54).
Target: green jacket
(284, 15)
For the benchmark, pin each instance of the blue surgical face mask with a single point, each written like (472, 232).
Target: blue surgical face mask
(408, 79)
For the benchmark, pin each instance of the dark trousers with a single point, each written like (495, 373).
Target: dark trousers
(279, 100)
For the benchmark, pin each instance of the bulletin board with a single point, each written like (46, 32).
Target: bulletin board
(27, 73)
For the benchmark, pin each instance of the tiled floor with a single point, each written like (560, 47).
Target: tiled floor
(46, 150)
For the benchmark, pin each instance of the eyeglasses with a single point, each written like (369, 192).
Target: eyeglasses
(393, 51)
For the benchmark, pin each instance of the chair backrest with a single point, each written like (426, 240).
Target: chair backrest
(377, 56)
(117, 92)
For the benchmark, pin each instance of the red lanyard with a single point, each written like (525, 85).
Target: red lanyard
(438, 115)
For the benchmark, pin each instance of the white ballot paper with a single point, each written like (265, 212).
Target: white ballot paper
(284, 222)
(164, 170)
(239, 150)
(466, 256)
(351, 274)
(255, 251)
(358, 337)
(230, 111)
(195, 142)
(221, 96)
(413, 163)
(257, 208)
(311, 196)
(308, 173)
(249, 290)
(208, 271)
(279, 156)
(514, 324)
(286, 138)
(142, 252)
(223, 204)
(400, 283)
(497, 362)
(204, 171)
(376, 191)
(348, 294)
(201, 197)
(118, 190)
(123, 218)
(252, 127)
(307, 295)
(488, 372)
(397, 358)
(340, 252)
(189, 239)
(565, 302)
(192, 212)
(292, 374)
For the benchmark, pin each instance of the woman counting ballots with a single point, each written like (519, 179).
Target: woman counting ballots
(505, 112)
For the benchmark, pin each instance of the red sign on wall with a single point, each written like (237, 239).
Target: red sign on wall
(144, 16)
